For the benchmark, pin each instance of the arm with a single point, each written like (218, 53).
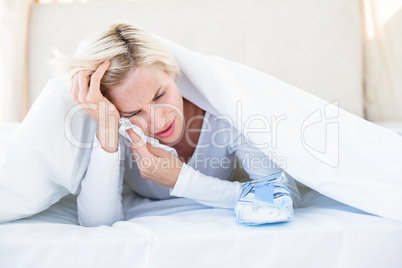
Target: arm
(99, 201)
(212, 191)
(204, 189)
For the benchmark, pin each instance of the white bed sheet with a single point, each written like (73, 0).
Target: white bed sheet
(182, 233)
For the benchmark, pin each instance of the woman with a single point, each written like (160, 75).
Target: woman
(126, 73)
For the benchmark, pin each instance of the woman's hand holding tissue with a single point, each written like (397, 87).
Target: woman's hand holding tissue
(85, 90)
(155, 164)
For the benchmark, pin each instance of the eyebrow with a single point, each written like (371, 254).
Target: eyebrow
(153, 99)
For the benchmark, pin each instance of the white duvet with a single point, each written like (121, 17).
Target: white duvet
(324, 147)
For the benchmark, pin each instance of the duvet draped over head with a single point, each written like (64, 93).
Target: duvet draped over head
(324, 147)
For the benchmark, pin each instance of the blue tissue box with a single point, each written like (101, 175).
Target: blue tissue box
(265, 200)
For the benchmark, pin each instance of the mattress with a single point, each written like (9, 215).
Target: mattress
(182, 233)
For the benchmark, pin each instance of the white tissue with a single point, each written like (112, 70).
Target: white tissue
(125, 124)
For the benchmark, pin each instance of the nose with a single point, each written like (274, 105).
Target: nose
(152, 121)
(154, 118)
(159, 120)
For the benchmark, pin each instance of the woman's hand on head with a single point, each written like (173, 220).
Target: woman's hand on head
(85, 91)
(155, 164)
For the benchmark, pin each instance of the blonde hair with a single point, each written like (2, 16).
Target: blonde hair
(126, 46)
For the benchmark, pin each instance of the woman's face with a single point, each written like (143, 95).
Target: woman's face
(150, 99)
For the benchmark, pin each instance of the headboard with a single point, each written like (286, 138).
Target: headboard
(312, 44)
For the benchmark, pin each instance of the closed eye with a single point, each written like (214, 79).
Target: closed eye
(136, 113)
(163, 93)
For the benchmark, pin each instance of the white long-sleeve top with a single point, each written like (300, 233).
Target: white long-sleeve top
(207, 178)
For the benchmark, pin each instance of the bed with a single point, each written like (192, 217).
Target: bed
(180, 232)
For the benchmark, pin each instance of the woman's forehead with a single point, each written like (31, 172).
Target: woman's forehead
(141, 79)
(138, 89)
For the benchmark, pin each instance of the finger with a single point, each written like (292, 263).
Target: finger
(83, 81)
(73, 71)
(158, 151)
(74, 88)
(137, 144)
(96, 77)
(71, 84)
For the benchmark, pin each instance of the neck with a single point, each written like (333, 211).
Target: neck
(187, 145)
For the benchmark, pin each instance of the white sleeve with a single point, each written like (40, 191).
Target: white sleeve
(99, 201)
(207, 190)
(258, 165)
(214, 192)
